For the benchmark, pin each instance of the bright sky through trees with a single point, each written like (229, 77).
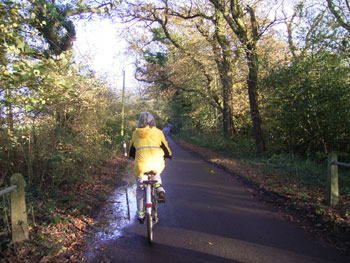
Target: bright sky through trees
(100, 45)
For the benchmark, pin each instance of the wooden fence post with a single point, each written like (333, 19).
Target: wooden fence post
(18, 210)
(332, 180)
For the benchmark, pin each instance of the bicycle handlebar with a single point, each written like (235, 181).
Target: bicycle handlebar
(150, 173)
(150, 182)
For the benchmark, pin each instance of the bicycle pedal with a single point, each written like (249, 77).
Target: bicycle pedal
(161, 198)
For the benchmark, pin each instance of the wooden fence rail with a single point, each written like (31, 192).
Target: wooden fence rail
(8, 189)
(332, 179)
(19, 223)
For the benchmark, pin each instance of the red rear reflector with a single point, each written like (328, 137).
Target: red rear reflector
(148, 205)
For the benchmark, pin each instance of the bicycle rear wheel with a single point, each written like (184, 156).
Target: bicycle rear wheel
(150, 228)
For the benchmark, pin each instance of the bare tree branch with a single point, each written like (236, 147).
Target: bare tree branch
(339, 18)
(103, 8)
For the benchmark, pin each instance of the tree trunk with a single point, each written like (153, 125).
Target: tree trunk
(225, 61)
(252, 82)
(236, 18)
(226, 96)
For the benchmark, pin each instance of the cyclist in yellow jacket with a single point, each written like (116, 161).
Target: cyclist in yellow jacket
(149, 148)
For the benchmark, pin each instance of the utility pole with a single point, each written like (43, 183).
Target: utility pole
(123, 106)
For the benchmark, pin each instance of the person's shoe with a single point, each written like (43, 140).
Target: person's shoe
(161, 197)
(141, 216)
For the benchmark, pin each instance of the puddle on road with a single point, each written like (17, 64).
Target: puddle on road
(116, 215)
(118, 212)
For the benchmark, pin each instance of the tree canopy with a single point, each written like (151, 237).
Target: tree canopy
(276, 73)
(235, 58)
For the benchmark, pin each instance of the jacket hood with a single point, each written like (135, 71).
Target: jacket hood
(145, 132)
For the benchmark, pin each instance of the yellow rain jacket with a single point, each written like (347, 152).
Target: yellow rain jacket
(149, 148)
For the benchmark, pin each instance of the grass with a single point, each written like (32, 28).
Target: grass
(299, 170)
(240, 149)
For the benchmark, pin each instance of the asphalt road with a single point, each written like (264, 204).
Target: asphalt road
(209, 216)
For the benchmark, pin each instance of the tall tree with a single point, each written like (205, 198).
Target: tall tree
(226, 59)
(169, 33)
(243, 22)
(212, 26)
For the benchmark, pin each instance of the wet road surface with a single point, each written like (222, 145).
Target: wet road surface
(208, 217)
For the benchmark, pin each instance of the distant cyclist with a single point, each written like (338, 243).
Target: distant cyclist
(149, 148)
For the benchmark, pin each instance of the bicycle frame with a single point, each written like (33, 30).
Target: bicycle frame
(148, 198)
(150, 204)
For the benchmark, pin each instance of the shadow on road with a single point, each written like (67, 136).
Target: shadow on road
(155, 253)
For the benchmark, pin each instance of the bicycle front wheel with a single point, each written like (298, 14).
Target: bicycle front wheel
(150, 228)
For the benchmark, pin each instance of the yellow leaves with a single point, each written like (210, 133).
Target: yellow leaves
(14, 11)
(10, 133)
(36, 73)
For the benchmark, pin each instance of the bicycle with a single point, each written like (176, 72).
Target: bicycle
(151, 204)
